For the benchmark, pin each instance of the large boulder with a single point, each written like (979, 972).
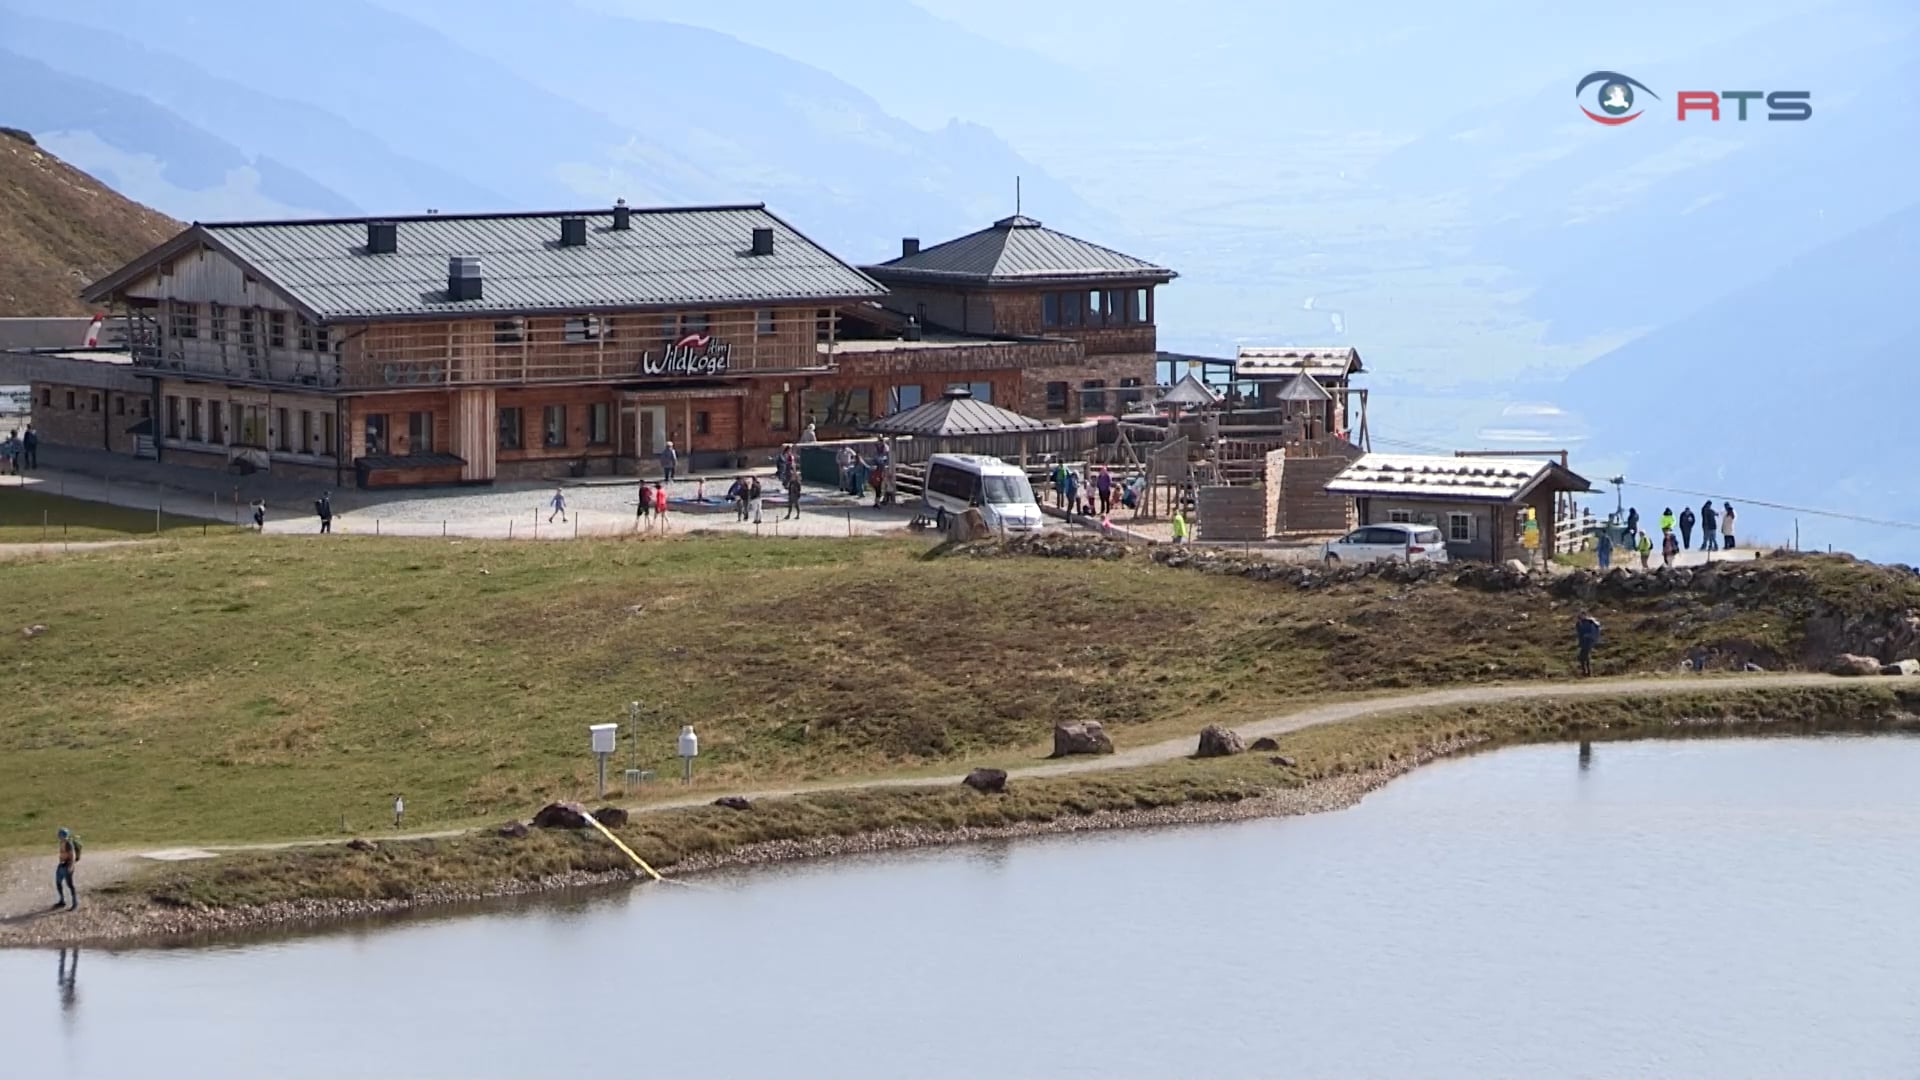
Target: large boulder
(1087, 737)
(1902, 667)
(613, 817)
(561, 815)
(1216, 741)
(1265, 742)
(988, 780)
(1853, 664)
(733, 802)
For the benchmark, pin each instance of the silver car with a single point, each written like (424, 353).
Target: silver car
(1397, 541)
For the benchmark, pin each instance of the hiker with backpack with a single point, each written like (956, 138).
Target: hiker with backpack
(323, 506)
(64, 893)
(1686, 527)
(1586, 634)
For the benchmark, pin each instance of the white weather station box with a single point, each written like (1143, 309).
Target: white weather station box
(605, 737)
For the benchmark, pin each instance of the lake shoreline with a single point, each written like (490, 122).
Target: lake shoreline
(1337, 765)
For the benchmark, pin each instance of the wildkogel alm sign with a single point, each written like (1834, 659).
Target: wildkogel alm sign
(695, 354)
(1616, 101)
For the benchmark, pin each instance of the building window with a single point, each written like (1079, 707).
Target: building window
(844, 407)
(763, 321)
(313, 337)
(1129, 393)
(327, 443)
(70, 404)
(119, 405)
(511, 426)
(599, 425)
(693, 324)
(1459, 528)
(252, 421)
(276, 329)
(247, 340)
(981, 391)
(1135, 301)
(46, 397)
(216, 422)
(216, 322)
(307, 436)
(146, 409)
(901, 398)
(1050, 309)
(185, 319)
(173, 417)
(554, 426)
(669, 328)
(282, 432)
(419, 433)
(1399, 517)
(1057, 396)
(93, 402)
(777, 411)
(703, 423)
(509, 331)
(376, 433)
(583, 328)
(1093, 395)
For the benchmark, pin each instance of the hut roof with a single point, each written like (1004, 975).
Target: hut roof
(1190, 393)
(1303, 387)
(955, 413)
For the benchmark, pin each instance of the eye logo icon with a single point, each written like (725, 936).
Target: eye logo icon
(1614, 97)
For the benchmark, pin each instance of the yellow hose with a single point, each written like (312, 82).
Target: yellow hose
(642, 863)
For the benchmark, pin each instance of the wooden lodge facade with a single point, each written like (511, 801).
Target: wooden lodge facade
(451, 348)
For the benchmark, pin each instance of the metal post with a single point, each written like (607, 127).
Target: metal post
(686, 773)
(601, 760)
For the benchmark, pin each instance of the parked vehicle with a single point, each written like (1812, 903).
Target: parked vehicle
(956, 482)
(1397, 541)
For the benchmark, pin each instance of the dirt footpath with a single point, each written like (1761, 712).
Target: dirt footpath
(26, 882)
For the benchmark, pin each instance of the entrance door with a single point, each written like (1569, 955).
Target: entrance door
(653, 430)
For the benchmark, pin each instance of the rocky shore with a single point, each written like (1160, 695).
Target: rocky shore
(120, 921)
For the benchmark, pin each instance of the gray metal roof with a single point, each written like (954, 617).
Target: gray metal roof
(1319, 361)
(1190, 393)
(1304, 388)
(955, 413)
(1018, 249)
(667, 258)
(1476, 479)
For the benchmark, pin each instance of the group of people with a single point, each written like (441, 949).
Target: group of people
(860, 473)
(746, 494)
(18, 452)
(1076, 491)
(1716, 534)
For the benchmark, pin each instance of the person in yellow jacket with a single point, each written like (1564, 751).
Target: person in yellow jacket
(1644, 545)
(1179, 527)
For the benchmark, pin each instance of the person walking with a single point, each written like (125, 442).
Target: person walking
(1644, 545)
(1709, 527)
(754, 495)
(1603, 551)
(30, 448)
(1059, 480)
(669, 458)
(1726, 526)
(737, 495)
(642, 502)
(1686, 527)
(1179, 526)
(559, 505)
(1669, 548)
(399, 810)
(323, 506)
(793, 492)
(660, 503)
(1072, 490)
(1586, 634)
(259, 515)
(1633, 523)
(64, 892)
(1666, 520)
(882, 472)
(812, 434)
(843, 460)
(10, 454)
(1103, 486)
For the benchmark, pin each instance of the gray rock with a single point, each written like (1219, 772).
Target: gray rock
(1281, 760)
(1901, 667)
(1082, 738)
(733, 802)
(361, 843)
(613, 817)
(561, 815)
(1752, 667)
(1264, 742)
(33, 631)
(1853, 665)
(987, 780)
(1515, 566)
(1216, 741)
(513, 830)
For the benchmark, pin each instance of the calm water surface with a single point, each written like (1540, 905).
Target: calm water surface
(1737, 909)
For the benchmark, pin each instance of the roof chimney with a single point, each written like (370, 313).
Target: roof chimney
(383, 238)
(573, 232)
(622, 215)
(463, 277)
(909, 245)
(763, 241)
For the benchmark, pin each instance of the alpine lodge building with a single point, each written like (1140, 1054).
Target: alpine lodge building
(465, 348)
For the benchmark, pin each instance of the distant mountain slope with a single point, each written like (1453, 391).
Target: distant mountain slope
(60, 228)
(1798, 389)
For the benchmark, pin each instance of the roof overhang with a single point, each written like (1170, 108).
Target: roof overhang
(886, 274)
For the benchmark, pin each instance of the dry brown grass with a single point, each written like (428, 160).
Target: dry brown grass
(61, 230)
